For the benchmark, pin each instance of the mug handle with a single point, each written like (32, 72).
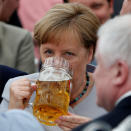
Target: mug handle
(34, 87)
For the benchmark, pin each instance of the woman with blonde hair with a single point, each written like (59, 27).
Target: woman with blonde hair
(67, 31)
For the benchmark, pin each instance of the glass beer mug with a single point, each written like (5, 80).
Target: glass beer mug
(53, 91)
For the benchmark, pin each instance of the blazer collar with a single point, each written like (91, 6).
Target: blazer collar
(126, 102)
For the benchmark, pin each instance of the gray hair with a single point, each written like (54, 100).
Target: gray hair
(114, 40)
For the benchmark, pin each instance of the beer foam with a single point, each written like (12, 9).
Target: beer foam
(52, 74)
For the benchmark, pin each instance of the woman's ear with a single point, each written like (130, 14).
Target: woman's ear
(120, 73)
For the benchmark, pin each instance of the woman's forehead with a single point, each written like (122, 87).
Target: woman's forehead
(64, 44)
(64, 36)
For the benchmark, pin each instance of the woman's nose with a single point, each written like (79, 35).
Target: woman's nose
(58, 55)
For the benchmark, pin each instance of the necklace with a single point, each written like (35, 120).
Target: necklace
(83, 92)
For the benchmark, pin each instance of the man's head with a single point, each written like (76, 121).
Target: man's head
(113, 54)
(7, 7)
(102, 8)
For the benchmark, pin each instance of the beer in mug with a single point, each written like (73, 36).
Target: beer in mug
(53, 92)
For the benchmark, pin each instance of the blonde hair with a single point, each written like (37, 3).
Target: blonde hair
(68, 17)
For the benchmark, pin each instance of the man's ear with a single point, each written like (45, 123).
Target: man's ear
(120, 73)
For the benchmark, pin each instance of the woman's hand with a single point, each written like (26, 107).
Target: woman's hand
(20, 93)
(68, 122)
(126, 7)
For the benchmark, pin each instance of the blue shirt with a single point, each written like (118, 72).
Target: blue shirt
(18, 120)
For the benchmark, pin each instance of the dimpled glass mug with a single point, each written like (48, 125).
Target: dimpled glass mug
(53, 91)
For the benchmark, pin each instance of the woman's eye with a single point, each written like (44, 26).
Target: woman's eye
(48, 52)
(69, 53)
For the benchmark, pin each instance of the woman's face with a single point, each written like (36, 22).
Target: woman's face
(70, 48)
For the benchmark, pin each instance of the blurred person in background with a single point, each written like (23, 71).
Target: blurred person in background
(103, 9)
(7, 8)
(15, 20)
(16, 44)
(67, 31)
(32, 11)
(7, 73)
(117, 7)
(29, 13)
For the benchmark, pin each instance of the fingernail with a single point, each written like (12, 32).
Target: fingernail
(34, 87)
(57, 121)
(61, 117)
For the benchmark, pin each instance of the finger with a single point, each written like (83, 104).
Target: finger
(21, 88)
(25, 94)
(21, 82)
(66, 124)
(22, 96)
(73, 119)
(65, 128)
(22, 79)
(69, 113)
(33, 87)
(29, 88)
